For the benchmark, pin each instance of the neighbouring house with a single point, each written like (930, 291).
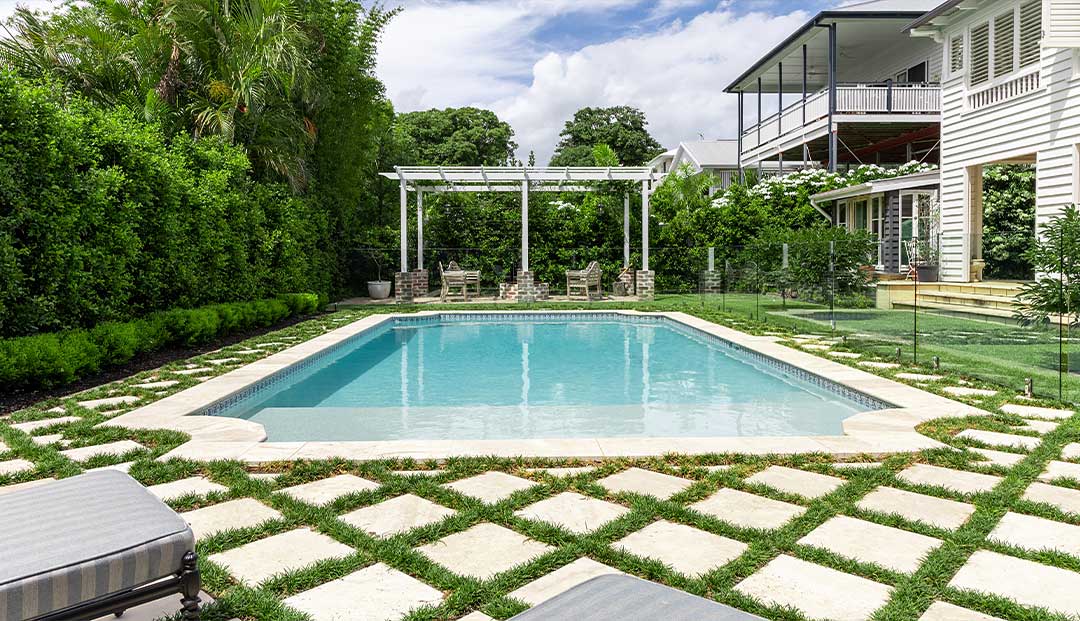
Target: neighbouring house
(717, 157)
(893, 210)
(848, 87)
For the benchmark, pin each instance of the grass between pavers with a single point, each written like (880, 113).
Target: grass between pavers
(912, 593)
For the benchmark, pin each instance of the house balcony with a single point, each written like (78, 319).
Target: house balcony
(895, 108)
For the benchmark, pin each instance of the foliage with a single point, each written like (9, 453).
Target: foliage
(103, 220)
(57, 358)
(1056, 259)
(455, 137)
(821, 261)
(622, 128)
(1008, 220)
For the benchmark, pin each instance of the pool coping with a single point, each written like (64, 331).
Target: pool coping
(874, 433)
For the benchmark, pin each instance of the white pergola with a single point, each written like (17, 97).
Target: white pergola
(448, 179)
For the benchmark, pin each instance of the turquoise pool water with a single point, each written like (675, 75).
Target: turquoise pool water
(530, 378)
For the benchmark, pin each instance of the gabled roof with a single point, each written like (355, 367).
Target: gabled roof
(710, 153)
(907, 182)
(941, 10)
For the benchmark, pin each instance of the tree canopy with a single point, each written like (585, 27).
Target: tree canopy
(621, 127)
(455, 137)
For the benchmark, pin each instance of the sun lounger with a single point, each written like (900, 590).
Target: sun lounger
(619, 597)
(584, 281)
(89, 546)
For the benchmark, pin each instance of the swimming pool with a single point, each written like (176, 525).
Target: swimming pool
(503, 376)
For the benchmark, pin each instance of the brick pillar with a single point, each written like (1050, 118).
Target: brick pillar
(526, 287)
(646, 284)
(420, 282)
(626, 280)
(712, 282)
(403, 287)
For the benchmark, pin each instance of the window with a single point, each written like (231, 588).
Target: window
(980, 54)
(841, 214)
(956, 54)
(861, 223)
(1004, 44)
(877, 225)
(1030, 32)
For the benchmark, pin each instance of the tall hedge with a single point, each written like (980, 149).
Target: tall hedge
(104, 219)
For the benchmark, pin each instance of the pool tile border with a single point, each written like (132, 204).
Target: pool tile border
(888, 428)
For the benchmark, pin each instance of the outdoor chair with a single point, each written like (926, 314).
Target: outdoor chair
(92, 545)
(472, 277)
(619, 597)
(453, 282)
(585, 281)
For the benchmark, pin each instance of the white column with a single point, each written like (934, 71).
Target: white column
(404, 227)
(419, 229)
(525, 225)
(645, 225)
(626, 230)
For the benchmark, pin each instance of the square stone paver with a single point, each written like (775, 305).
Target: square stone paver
(818, 592)
(748, 510)
(200, 486)
(491, 487)
(867, 542)
(375, 593)
(920, 377)
(483, 551)
(397, 515)
(1027, 582)
(956, 480)
(325, 490)
(964, 391)
(683, 548)
(1039, 426)
(1064, 498)
(15, 466)
(1071, 451)
(120, 400)
(563, 471)
(999, 458)
(417, 473)
(157, 384)
(995, 438)
(1035, 411)
(34, 425)
(52, 438)
(840, 465)
(1036, 533)
(222, 361)
(240, 513)
(645, 482)
(873, 364)
(254, 562)
(561, 580)
(795, 481)
(576, 513)
(195, 371)
(116, 449)
(943, 611)
(939, 512)
(1061, 470)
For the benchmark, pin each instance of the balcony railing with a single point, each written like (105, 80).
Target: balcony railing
(883, 98)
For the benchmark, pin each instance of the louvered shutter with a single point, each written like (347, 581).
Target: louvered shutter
(1030, 32)
(956, 54)
(1063, 25)
(980, 54)
(1004, 44)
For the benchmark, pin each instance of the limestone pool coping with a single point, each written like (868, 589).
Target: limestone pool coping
(875, 433)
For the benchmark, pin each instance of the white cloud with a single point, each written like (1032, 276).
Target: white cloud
(484, 54)
(7, 7)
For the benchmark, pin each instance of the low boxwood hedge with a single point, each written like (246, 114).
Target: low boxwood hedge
(54, 359)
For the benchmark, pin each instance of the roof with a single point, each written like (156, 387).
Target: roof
(711, 153)
(929, 16)
(492, 178)
(906, 182)
(666, 155)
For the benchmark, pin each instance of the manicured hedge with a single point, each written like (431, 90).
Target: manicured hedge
(53, 359)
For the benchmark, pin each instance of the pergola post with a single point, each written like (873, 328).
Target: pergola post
(527, 290)
(626, 230)
(403, 283)
(420, 276)
(645, 279)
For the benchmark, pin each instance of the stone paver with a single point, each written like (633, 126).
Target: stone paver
(1027, 582)
(845, 354)
(124, 467)
(326, 490)
(645, 482)
(222, 361)
(964, 391)
(856, 464)
(1035, 411)
(14, 487)
(200, 486)
(795, 481)
(920, 377)
(1039, 426)
(563, 471)
(999, 458)
(818, 592)
(52, 438)
(720, 468)
(483, 551)
(476, 615)
(34, 425)
(815, 347)
(120, 447)
(683, 548)
(996, 438)
(195, 371)
(120, 400)
(417, 473)
(943, 611)
(254, 562)
(873, 364)
(1064, 498)
(1060, 470)
(266, 477)
(748, 510)
(867, 542)
(375, 593)
(1071, 451)
(1036, 533)
(396, 515)
(491, 487)
(939, 512)
(157, 384)
(576, 513)
(956, 480)
(561, 580)
(240, 513)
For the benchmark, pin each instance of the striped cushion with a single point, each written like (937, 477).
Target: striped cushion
(83, 538)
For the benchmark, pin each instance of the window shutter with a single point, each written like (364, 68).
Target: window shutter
(1063, 27)
(1030, 32)
(1004, 44)
(956, 54)
(980, 54)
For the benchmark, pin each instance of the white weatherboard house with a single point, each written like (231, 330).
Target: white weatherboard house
(717, 157)
(1010, 94)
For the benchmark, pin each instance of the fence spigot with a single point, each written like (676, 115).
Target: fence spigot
(1029, 388)
(898, 355)
(937, 362)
